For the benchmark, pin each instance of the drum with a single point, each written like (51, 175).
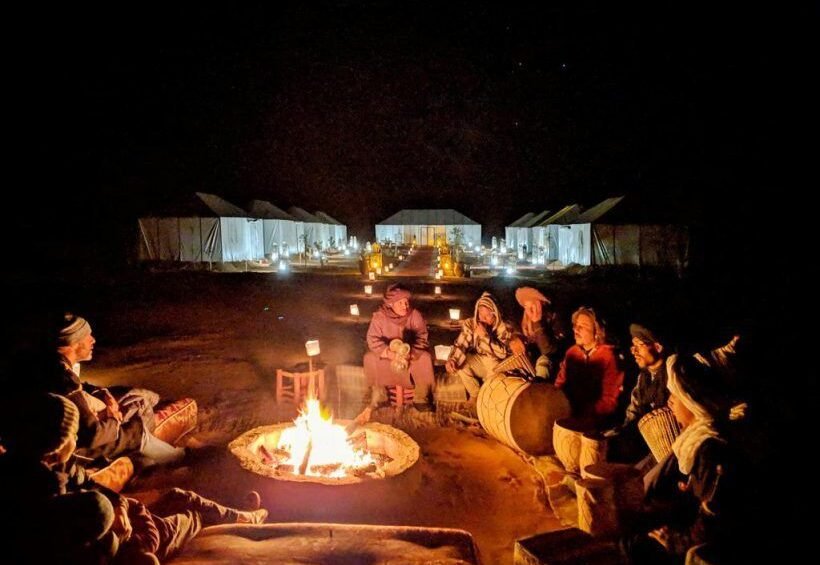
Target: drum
(659, 429)
(593, 450)
(566, 438)
(626, 481)
(597, 514)
(520, 413)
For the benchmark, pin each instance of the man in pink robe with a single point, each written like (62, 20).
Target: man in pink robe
(397, 319)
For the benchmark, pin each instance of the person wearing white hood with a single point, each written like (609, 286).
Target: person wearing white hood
(485, 340)
(694, 496)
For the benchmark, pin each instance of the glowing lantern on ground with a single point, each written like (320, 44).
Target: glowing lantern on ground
(354, 309)
(455, 314)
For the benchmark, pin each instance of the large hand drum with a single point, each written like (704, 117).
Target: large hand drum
(659, 429)
(520, 413)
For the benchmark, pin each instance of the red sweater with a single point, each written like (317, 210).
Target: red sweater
(592, 381)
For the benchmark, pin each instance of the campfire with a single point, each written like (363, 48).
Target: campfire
(314, 448)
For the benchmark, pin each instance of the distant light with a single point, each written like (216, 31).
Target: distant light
(455, 314)
(354, 309)
(274, 256)
(368, 289)
(437, 290)
(283, 266)
(347, 252)
(390, 265)
(371, 275)
(379, 271)
(316, 254)
(494, 261)
(312, 347)
(510, 270)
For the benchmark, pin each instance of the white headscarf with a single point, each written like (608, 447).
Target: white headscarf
(702, 428)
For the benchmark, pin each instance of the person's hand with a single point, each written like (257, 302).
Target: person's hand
(122, 525)
(111, 404)
(661, 535)
(450, 367)
(517, 346)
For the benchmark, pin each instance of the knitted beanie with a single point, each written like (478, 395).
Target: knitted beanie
(72, 330)
(51, 422)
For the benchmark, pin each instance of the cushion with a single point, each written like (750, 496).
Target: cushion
(176, 419)
(115, 475)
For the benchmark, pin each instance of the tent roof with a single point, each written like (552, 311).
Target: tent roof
(303, 215)
(264, 209)
(522, 220)
(327, 218)
(428, 217)
(596, 212)
(197, 204)
(535, 219)
(565, 215)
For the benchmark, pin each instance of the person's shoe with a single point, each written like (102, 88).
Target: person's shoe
(253, 501)
(252, 517)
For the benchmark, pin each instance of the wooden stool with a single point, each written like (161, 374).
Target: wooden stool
(294, 386)
(399, 396)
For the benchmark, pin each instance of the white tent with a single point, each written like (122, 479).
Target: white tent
(339, 230)
(524, 238)
(511, 231)
(313, 228)
(588, 240)
(423, 226)
(202, 228)
(545, 235)
(278, 227)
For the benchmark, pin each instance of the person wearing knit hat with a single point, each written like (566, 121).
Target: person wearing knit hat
(540, 328)
(49, 432)
(698, 492)
(484, 341)
(113, 422)
(396, 319)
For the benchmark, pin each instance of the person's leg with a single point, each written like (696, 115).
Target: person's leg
(177, 501)
(476, 368)
(373, 367)
(157, 452)
(175, 531)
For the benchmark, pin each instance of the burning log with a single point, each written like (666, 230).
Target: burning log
(303, 465)
(326, 470)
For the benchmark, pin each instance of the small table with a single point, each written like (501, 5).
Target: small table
(295, 383)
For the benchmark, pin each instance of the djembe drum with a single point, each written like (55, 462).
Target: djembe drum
(659, 429)
(521, 413)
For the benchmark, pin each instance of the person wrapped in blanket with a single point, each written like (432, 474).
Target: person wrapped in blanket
(485, 340)
(61, 516)
(699, 493)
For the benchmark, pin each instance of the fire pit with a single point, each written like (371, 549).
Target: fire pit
(316, 449)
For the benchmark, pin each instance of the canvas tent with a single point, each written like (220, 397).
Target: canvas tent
(423, 226)
(609, 234)
(200, 228)
(279, 229)
(511, 231)
(546, 233)
(524, 239)
(315, 230)
(339, 231)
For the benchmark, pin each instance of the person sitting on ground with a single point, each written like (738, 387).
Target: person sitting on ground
(386, 366)
(92, 520)
(50, 522)
(589, 374)
(109, 428)
(697, 494)
(540, 328)
(485, 340)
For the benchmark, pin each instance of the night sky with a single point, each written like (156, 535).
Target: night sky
(361, 109)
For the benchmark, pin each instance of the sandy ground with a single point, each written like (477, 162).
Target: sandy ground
(219, 337)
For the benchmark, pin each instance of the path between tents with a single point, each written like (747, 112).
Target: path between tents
(418, 264)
